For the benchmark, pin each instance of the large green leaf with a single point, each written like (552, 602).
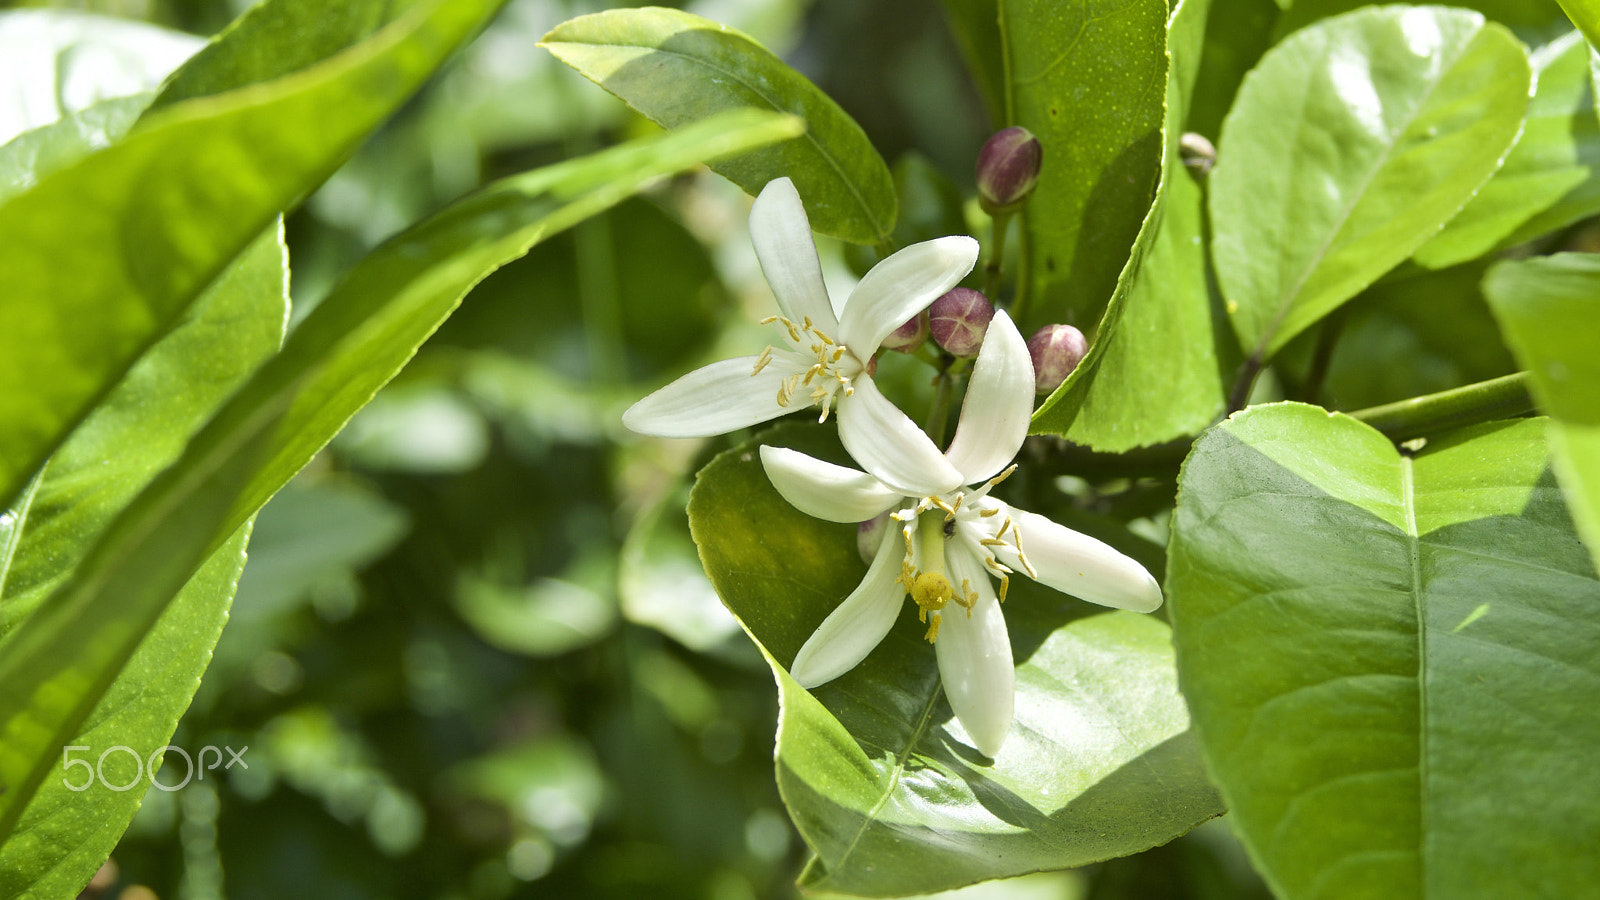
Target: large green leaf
(1586, 15)
(1548, 309)
(1549, 180)
(63, 835)
(1161, 327)
(1390, 657)
(103, 257)
(1349, 145)
(872, 767)
(677, 68)
(1089, 80)
(58, 662)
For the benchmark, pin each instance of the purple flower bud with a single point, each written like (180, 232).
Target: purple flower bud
(908, 337)
(959, 319)
(1008, 168)
(1056, 351)
(869, 537)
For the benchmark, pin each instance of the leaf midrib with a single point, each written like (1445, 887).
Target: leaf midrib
(1414, 542)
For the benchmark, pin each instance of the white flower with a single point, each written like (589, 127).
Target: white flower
(950, 547)
(823, 358)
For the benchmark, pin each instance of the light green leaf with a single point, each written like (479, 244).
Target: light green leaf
(1089, 80)
(56, 662)
(64, 835)
(1348, 146)
(1548, 309)
(872, 767)
(1549, 180)
(56, 62)
(677, 68)
(1390, 657)
(1161, 328)
(102, 258)
(1586, 15)
(37, 153)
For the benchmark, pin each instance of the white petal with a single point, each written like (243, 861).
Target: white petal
(788, 254)
(998, 405)
(850, 632)
(902, 286)
(890, 446)
(823, 489)
(975, 659)
(715, 399)
(1079, 565)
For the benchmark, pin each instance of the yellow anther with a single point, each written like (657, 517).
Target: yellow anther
(818, 332)
(1005, 582)
(769, 320)
(987, 513)
(762, 360)
(933, 630)
(1002, 476)
(838, 353)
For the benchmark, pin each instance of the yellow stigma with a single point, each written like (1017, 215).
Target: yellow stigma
(931, 591)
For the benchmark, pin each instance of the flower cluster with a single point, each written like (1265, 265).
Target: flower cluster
(954, 547)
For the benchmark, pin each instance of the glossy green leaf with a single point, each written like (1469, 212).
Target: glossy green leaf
(35, 154)
(103, 257)
(56, 62)
(874, 770)
(332, 364)
(64, 835)
(1549, 180)
(1548, 308)
(1089, 80)
(677, 68)
(1586, 15)
(1161, 328)
(1349, 145)
(1390, 656)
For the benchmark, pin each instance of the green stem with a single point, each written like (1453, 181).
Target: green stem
(997, 249)
(1498, 398)
(941, 407)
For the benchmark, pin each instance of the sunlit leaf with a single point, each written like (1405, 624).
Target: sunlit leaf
(677, 68)
(1390, 656)
(1349, 145)
(875, 771)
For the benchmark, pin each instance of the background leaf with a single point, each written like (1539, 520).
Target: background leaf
(1349, 145)
(874, 770)
(63, 836)
(57, 662)
(123, 241)
(1089, 80)
(1355, 626)
(976, 26)
(677, 68)
(1547, 308)
(1549, 180)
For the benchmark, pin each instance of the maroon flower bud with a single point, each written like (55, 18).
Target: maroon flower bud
(1056, 351)
(869, 536)
(1008, 168)
(908, 337)
(959, 319)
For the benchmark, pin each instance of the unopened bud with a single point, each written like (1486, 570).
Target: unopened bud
(1056, 351)
(869, 536)
(1008, 168)
(1197, 153)
(908, 337)
(959, 319)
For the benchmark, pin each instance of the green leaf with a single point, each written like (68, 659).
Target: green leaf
(57, 62)
(48, 148)
(103, 258)
(677, 68)
(872, 766)
(1349, 145)
(975, 24)
(64, 835)
(56, 662)
(1586, 15)
(1549, 180)
(1089, 80)
(1161, 327)
(1390, 657)
(1547, 309)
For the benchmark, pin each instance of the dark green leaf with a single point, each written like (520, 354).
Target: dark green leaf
(56, 662)
(1099, 762)
(1349, 146)
(1550, 179)
(102, 258)
(678, 68)
(976, 26)
(1089, 80)
(1390, 657)
(1548, 309)
(64, 835)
